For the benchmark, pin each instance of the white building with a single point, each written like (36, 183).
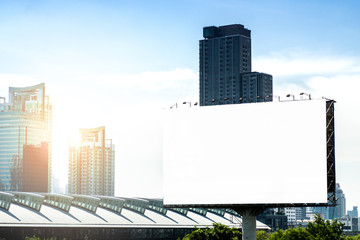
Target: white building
(291, 214)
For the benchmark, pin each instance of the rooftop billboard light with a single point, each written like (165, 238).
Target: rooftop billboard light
(244, 154)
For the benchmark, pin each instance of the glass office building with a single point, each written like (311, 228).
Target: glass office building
(25, 134)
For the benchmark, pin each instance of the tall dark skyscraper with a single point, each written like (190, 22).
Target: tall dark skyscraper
(225, 68)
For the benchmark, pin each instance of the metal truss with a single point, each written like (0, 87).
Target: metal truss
(330, 145)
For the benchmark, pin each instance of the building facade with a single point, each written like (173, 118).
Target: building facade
(35, 168)
(332, 212)
(290, 213)
(353, 213)
(274, 219)
(91, 164)
(295, 214)
(256, 87)
(225, 68)
(25, 134)
(351, 225)
(340, 208)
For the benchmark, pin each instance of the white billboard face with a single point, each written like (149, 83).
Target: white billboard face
(260, 153)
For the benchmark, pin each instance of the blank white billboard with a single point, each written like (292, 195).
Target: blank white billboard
(259, 153)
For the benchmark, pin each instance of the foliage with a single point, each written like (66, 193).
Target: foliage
(325, 230)
(353, 238)
(317, 230)
(217, 232)
(262, 235)
(291, 234)
(38, 238)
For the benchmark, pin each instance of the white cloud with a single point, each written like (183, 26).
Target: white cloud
(344, 89)
(128, 106)
(151, 81)
(297, 62)
(334, 77)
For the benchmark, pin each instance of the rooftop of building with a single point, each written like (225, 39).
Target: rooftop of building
(226, 30)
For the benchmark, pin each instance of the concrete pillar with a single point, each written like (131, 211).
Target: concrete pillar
(249, 227)
(249, 221)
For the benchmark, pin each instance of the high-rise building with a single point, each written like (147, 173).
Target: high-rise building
(354, 212)
(25, 140)
(340, 208)
(256, 87)
(91, 164)
(225, 68)
(333, 212)
(35, 168)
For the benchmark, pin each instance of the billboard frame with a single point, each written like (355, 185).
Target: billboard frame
(330, 148)
(331, 176)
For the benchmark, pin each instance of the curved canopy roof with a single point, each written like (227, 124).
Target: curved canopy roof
(46, 209)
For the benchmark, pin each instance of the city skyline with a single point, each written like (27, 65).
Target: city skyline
(117, 64)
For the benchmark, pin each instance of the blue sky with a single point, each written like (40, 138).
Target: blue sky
(117, 63)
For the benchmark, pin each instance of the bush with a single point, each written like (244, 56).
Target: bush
(326, 230)
(217, 232)
(318, 230)
(291, 234)
(262, 235)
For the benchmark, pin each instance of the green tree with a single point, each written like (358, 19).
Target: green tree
(353, 238)
(317, 230)
(291, 234)
(217, 232)
(262, 235)
(325, 230)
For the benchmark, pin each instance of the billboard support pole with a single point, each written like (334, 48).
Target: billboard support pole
(330, 143)
(249, 221)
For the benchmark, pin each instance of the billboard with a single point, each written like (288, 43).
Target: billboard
(272, 153)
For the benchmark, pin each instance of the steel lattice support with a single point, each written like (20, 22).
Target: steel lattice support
(330, 138)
